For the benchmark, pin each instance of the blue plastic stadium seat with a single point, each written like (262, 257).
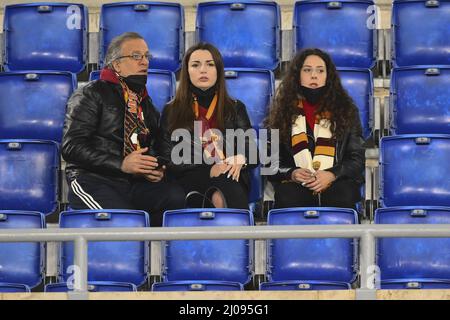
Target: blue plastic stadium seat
(45, 36)
(415, 284)
(413, 258)
(21, 263)
(160, 86)
(420, 32)
(303, 285)
(255, 88)
(160, 24)
(94, 286)
(420, 100)
(414, 170)
(34, 104)
(124, 261)
(29, 175)
(247, 33)
(13, 288)
(210, 260)
(344, 29)
(197, 286)
(359, 85)
(329, 260)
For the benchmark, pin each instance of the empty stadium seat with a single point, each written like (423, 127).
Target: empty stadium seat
(410, 259)
(13, 288)
(419, 100)
(255, 88)
(303, 285)
(420, 32)
(197, 286)
(247, 33)
(344, 29)
(415, 284)
(359, 85)
(414, 170)
(208, 260)
(160, 24)
(124, 261)
(21, 263)
(29, 175)
(45, 36)
(160, 86)
(34, 104)
(328, 260)
(94, 286)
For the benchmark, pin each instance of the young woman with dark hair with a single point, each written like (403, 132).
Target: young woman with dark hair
(201, 97)
(321, 154)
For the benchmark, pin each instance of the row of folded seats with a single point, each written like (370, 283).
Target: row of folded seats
(200, 265)
(54, 36)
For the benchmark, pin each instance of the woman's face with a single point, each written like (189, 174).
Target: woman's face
(202, 69)
(313, 73)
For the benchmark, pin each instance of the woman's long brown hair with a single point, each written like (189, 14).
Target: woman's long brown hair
(180, 113)
(284, 110)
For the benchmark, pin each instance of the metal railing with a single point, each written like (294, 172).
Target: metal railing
(367, 235)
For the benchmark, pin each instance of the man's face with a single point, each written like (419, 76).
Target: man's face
(127, 65)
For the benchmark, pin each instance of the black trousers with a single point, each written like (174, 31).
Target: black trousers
(198, 179)
(91, 191)
(343, 193)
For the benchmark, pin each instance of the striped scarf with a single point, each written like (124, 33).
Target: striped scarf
(136, 134)
(325, 145)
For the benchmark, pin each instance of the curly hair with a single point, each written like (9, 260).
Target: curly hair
(284, 111)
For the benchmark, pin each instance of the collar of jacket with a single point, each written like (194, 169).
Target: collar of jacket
(109, 75)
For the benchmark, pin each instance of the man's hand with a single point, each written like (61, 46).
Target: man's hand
(156, 175)
(138, 163)
(302, 175)
(218, 169)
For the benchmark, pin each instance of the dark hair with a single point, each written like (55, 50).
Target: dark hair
(335, 100)
(180, 114)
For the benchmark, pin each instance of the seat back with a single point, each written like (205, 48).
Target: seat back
(344, 29)
(420, 32)
(326, 259)
(359, 85)
(419, 100)
(247, 33)
(117, 261)
(34, 104)
(160, 24)
(13, 288)
(417, 284)
(94, 286)
(29, 175)
(21, 263)
(161, 86)
(303, 286)
(222, 260)
(413, 258)
(45, 36)
(414, 170)
(197, 286)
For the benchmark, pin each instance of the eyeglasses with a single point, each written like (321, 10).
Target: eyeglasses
(137, 56)
(309, 70)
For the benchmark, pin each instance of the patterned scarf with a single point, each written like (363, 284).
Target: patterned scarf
(325, 145)
(209, 140)
(136, 133)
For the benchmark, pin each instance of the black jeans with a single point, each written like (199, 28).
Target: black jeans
(343, 193)
(92, 191)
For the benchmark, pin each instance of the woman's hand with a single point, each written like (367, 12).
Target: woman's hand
(218, 169)
(236, 162)
(321, 181)
(302, 175)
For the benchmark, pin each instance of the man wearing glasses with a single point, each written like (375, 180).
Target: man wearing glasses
(111, 137)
